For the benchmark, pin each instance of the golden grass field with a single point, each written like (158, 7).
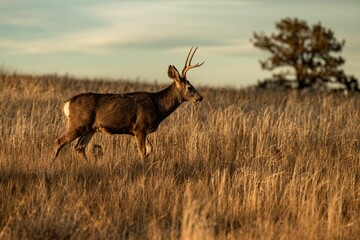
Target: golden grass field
(243, 164)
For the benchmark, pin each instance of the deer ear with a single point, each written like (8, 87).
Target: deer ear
(173, 73)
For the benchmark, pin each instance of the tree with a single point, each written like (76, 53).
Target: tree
(304, 54)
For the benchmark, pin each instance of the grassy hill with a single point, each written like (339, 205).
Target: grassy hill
(243, 164)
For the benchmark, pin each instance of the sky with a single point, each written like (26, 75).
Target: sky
(138, 39)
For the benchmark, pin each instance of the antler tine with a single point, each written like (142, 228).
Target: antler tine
(192, 55)
(187, 58)
(188, 66)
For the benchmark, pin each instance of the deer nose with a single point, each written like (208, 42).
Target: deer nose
(199, 99)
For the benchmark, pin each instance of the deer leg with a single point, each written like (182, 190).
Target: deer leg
(68, 137)
(149, 147)
(82, 143)
(77, 146)
(141, 143)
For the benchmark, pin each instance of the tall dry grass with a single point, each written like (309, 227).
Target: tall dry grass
(243, 164)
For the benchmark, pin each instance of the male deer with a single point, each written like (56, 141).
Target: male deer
(135, 113)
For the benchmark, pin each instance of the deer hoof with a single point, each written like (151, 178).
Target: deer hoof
(97, 151)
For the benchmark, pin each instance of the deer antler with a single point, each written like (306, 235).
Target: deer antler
(188, 66)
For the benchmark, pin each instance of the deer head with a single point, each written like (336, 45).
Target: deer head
(186, 90)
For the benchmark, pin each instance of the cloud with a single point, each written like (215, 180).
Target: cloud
(170, 24)
(141, 24)
(20, 21)
(230, 48)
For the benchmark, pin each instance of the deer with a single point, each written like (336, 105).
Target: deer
(135, 113)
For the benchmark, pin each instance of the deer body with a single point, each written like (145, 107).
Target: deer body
(135, 113)
(120, 113)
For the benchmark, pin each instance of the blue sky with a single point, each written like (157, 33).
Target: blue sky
(134, 39)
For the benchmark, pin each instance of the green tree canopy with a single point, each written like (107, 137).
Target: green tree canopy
(305, 54)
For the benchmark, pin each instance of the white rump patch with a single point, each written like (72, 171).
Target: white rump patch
(67, 108)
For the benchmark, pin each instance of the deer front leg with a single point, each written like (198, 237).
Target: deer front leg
(141, 143)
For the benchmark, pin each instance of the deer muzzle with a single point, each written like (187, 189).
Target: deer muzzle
(199, 99)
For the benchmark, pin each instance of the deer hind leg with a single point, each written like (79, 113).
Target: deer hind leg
(148, 147)
(141, 143)
(68, 137)
(82, 143)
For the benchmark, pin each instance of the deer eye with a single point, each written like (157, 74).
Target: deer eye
(189, 88)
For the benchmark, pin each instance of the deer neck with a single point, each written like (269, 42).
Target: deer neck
(168, 100)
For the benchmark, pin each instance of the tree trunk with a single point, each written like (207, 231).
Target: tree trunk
(301, 84)
(300, 77)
